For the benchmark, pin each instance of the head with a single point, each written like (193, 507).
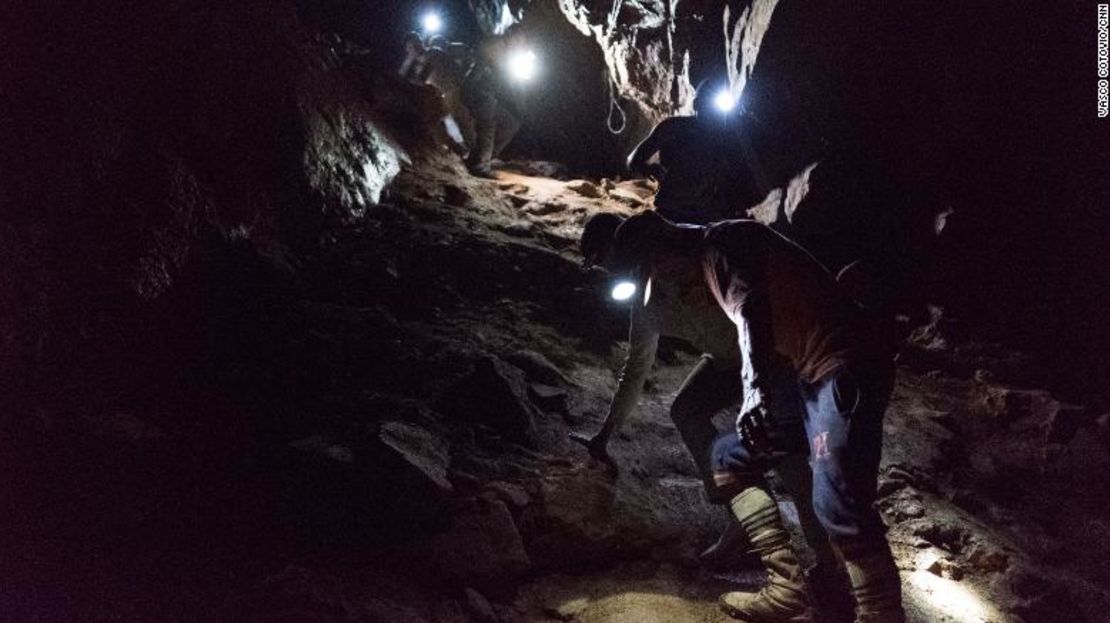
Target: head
(636, 241)
(597, 237)
(707, 96)
(437, 41)
(413, 42)
(703, 99)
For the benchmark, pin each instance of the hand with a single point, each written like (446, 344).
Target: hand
(754, 428)
(598, 447)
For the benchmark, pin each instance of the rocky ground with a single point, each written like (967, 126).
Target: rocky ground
(379, 433)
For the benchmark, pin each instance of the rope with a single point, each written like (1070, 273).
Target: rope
(614, 16)
(614, 104)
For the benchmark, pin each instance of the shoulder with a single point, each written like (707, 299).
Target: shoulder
(740, 230)
(671, 127)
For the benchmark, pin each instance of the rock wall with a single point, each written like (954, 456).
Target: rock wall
(138, 138)
(916, 111)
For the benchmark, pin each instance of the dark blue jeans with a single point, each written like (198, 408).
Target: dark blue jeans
(843, 423)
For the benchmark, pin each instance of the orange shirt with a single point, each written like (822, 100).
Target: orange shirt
(790, 302)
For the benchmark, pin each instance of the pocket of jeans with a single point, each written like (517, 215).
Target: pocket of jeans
(846, 393)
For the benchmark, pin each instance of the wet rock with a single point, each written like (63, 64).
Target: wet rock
(945, 535)
(513, 188)
(495, 394)
(987, 559)
(519, 229)
(943, 566)
(628, 198)
(480, 607)
(455, 195)
(538, 168)
(537, 367)
(545, 208)
(519, 201)
(326, 448)
(897, 475)
(902, 508)
(465, 482)
(482, 548)
(513, 495)
(768, 210)
(549, 397)
(426, 454)
(586, 189)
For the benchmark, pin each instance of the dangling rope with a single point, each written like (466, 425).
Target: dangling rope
(615, 105)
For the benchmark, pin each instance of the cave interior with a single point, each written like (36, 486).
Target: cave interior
(271, 353)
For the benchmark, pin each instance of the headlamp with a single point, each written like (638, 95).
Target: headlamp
(432, 23)
(623, 290)
(523, 65)
(724, 101)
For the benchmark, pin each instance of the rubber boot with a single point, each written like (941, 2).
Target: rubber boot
(784, 598)
(728, 550)
(876, 585)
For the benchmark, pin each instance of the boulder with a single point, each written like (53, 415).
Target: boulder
(495, 394)
(424, 455)
(586, 189)
(482, 548)
(549, 397)
(538, 367)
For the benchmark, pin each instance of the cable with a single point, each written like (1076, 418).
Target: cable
(614, 104)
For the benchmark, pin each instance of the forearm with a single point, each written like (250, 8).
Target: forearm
(630, 383)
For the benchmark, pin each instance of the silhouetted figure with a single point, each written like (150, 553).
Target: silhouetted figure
(414, 67)
(439, 76)
(486, 96)
(702, 171)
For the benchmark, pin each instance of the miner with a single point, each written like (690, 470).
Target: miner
(788, 309)
(703, 164)
(413, 67)
(674, 301)
(490, 103)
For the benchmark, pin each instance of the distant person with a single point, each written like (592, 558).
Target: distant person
(487, 97)
(446, 71)
(703, 175)
(678, 304)
(788, 310)
(440, 77)
(414, 68)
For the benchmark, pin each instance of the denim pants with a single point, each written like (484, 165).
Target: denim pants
(843, 429)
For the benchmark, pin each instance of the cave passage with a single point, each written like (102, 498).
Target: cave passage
(299, 321)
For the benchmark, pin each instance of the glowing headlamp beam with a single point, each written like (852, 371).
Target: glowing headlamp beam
(623, 290)
(523, 65)
(724, 101)
(432, 23)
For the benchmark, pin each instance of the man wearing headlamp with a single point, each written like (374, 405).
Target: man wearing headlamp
(788, 310)
(669, 297)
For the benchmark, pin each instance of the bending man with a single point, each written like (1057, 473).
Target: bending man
(678, 304)
(787, 308)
